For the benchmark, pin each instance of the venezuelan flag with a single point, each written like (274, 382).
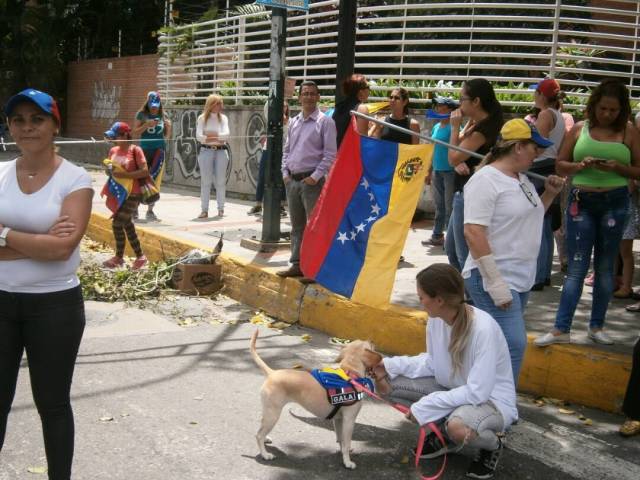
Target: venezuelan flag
(156, 167)
(116, 189)
(354, 238)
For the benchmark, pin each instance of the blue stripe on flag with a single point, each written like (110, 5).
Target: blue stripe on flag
(369, 203)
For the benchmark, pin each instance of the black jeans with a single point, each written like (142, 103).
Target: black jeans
(49, 327)
(631, 405)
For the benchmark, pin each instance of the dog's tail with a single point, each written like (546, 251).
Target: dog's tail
(256, 358)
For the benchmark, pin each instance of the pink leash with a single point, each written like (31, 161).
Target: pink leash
(422, 435)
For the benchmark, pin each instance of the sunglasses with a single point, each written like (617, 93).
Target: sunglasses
(529, 194)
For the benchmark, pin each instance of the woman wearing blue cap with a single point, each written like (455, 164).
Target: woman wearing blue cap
(45, 204)
(503, 228)
(154, 129)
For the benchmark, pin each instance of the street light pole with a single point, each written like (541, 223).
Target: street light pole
(273, 173)
(346, 43)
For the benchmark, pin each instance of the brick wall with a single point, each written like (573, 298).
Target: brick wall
(102, 91)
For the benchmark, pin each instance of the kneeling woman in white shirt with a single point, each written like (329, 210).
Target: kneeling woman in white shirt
(503, 228)
(464, 381)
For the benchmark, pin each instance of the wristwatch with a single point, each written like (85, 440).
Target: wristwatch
(3, 236)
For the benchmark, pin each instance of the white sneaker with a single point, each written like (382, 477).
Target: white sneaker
(600, 337)
(549, 338)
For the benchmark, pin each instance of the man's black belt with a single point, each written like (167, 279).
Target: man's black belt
(300, 176)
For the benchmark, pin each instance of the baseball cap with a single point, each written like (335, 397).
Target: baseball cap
(518, 129)
(448, 101)
(43, 101)
(153, 99)
(118, 128)
(548, 87)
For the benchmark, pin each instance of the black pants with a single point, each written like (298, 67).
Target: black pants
(631, 405)
(49, 327)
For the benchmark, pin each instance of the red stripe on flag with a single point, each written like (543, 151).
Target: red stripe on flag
(322, 226)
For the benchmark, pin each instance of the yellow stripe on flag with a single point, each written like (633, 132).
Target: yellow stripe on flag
(388, 235)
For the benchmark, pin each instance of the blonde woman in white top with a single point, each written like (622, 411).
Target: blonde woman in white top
(464, 380)
(212, 131)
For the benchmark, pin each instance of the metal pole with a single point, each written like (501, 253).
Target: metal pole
(433, 140)
(273, 172)
(346, 43)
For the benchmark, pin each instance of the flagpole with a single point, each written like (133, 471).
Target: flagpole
(434, 140)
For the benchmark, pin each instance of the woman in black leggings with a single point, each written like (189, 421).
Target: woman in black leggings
(45, 204)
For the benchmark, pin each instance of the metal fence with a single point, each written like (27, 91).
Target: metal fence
(424, 46)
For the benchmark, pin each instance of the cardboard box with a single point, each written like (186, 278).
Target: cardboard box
(201, 279)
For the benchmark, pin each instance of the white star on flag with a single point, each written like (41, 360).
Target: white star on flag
(365, 183)
(360, 228)
(375, 209)
(342, 237)
(353, 234)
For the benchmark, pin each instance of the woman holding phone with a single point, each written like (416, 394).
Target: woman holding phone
(601, 153)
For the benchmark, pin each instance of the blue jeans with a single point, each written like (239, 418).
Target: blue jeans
(443, 190)
(597, 225)
(454, 244)
(545, 255)
(511, 321)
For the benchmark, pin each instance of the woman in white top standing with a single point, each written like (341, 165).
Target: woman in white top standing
(551, 124)
(45, 204)
(463, 381)
(212, 131)
(503, 227)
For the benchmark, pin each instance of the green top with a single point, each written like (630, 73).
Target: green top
(588, 147)
(153, 136)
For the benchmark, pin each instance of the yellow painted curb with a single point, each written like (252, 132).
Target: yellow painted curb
(574, 373)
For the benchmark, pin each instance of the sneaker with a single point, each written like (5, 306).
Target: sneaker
(484, 466)
(549, 338)
(113, 262)
(590, 279)
(139, 263)
(433, 448)
(151, 217)
(598, 336)
(220, 213)
(256, 209)
(204, 215)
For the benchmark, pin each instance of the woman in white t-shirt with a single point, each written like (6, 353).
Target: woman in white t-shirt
(463, 381)
(45, 204)
(212, 131)
(503, 227)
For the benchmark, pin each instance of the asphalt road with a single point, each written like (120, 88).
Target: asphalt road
(158, 400)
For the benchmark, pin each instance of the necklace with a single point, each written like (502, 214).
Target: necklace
(31, 176)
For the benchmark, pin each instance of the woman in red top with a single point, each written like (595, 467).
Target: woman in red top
(134, 166)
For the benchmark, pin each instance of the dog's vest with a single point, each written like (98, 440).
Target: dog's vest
(340, 392)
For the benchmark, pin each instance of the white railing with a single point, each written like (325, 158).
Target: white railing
(420, 45)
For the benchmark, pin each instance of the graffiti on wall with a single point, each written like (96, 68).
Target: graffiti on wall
(187, 148)
(247, 128)
(105, 101)
(254, 130)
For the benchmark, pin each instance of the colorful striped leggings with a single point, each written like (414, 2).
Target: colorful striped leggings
(123, 224)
